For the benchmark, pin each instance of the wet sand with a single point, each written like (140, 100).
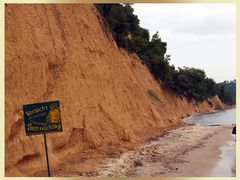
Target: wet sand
(187, 151)
(227, 164)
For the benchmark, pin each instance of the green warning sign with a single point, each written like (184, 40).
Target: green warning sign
(42, 118)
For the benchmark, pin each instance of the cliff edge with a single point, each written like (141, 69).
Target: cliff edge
(108, 97)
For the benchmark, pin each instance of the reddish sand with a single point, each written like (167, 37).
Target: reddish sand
(67, 53)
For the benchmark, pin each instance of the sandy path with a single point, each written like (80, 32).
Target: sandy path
(186, 151)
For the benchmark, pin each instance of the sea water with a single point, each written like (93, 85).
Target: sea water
(226, 166)
(224, 117)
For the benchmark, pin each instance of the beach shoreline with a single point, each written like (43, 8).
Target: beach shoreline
(190, 150)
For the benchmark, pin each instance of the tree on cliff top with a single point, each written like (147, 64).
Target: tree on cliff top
(128, 34)
(227, 92)
(193, 83)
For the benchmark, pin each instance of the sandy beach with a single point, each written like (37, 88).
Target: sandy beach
(187, 151)
(191, 150)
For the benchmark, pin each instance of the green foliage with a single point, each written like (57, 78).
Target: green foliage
(193, 83)
(128, 34)
(227, 92)
(190, 82)
(122, 21)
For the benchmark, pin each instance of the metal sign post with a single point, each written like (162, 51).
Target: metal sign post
(42, 118)
(46, 149)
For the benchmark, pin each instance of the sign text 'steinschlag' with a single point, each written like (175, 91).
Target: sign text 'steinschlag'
(42, 118)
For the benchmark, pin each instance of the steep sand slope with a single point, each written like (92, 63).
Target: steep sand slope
(66, 53)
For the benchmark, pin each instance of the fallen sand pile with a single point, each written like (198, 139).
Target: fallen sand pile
(66, 53)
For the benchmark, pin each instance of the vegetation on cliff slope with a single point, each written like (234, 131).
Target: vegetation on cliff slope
(190, 82)
(227, 92)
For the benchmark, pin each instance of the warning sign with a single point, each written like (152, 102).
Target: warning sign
(42, 118)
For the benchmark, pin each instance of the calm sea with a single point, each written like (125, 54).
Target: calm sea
(226, 166)
(224, 117)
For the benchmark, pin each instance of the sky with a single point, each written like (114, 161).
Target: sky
(197, 35)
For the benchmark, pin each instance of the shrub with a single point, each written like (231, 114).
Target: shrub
(153, 95)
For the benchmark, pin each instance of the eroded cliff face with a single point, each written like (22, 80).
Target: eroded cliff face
(67, 53)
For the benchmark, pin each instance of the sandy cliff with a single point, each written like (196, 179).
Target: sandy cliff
(108, 98)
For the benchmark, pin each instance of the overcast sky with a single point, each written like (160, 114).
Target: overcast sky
(197, 35)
